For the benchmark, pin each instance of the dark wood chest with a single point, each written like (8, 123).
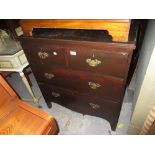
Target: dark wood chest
(80, 69)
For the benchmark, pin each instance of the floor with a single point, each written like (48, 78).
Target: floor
(73, 123)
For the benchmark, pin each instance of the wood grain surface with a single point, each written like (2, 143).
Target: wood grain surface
(19, 118)
(118, 29)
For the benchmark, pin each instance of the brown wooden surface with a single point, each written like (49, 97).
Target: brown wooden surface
(18, 117)
(118, 29)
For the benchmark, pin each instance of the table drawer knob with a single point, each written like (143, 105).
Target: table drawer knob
(94, 106)
(42, 55)
(93, 85)
(55, 94)
(93, 63)
(48, 75)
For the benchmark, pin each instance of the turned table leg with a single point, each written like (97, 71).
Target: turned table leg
(25, 81)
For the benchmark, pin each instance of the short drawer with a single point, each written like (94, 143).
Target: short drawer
(44, 51)
(101, 61)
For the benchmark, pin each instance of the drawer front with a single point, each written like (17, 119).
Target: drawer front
(92, 104)
(84, 104)
(102, 61)
(5, 64)
(101, 108)
(44, 51)
(109, 88)
(58, 95)
(56, 76)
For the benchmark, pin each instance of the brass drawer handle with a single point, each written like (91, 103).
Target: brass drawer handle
(94, 106)
(55, 94)
(42, 55)
(48, 75)
(93, 63)
(94, 85)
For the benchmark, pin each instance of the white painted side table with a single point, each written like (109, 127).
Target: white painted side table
(13, 59)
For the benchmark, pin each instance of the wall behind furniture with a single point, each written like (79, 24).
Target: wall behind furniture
(144, 96)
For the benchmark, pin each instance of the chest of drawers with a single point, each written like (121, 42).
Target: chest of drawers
(80, 69)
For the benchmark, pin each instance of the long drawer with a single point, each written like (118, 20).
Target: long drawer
(82, 103)
(109, 88)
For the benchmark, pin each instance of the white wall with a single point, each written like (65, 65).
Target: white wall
(144, 96)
